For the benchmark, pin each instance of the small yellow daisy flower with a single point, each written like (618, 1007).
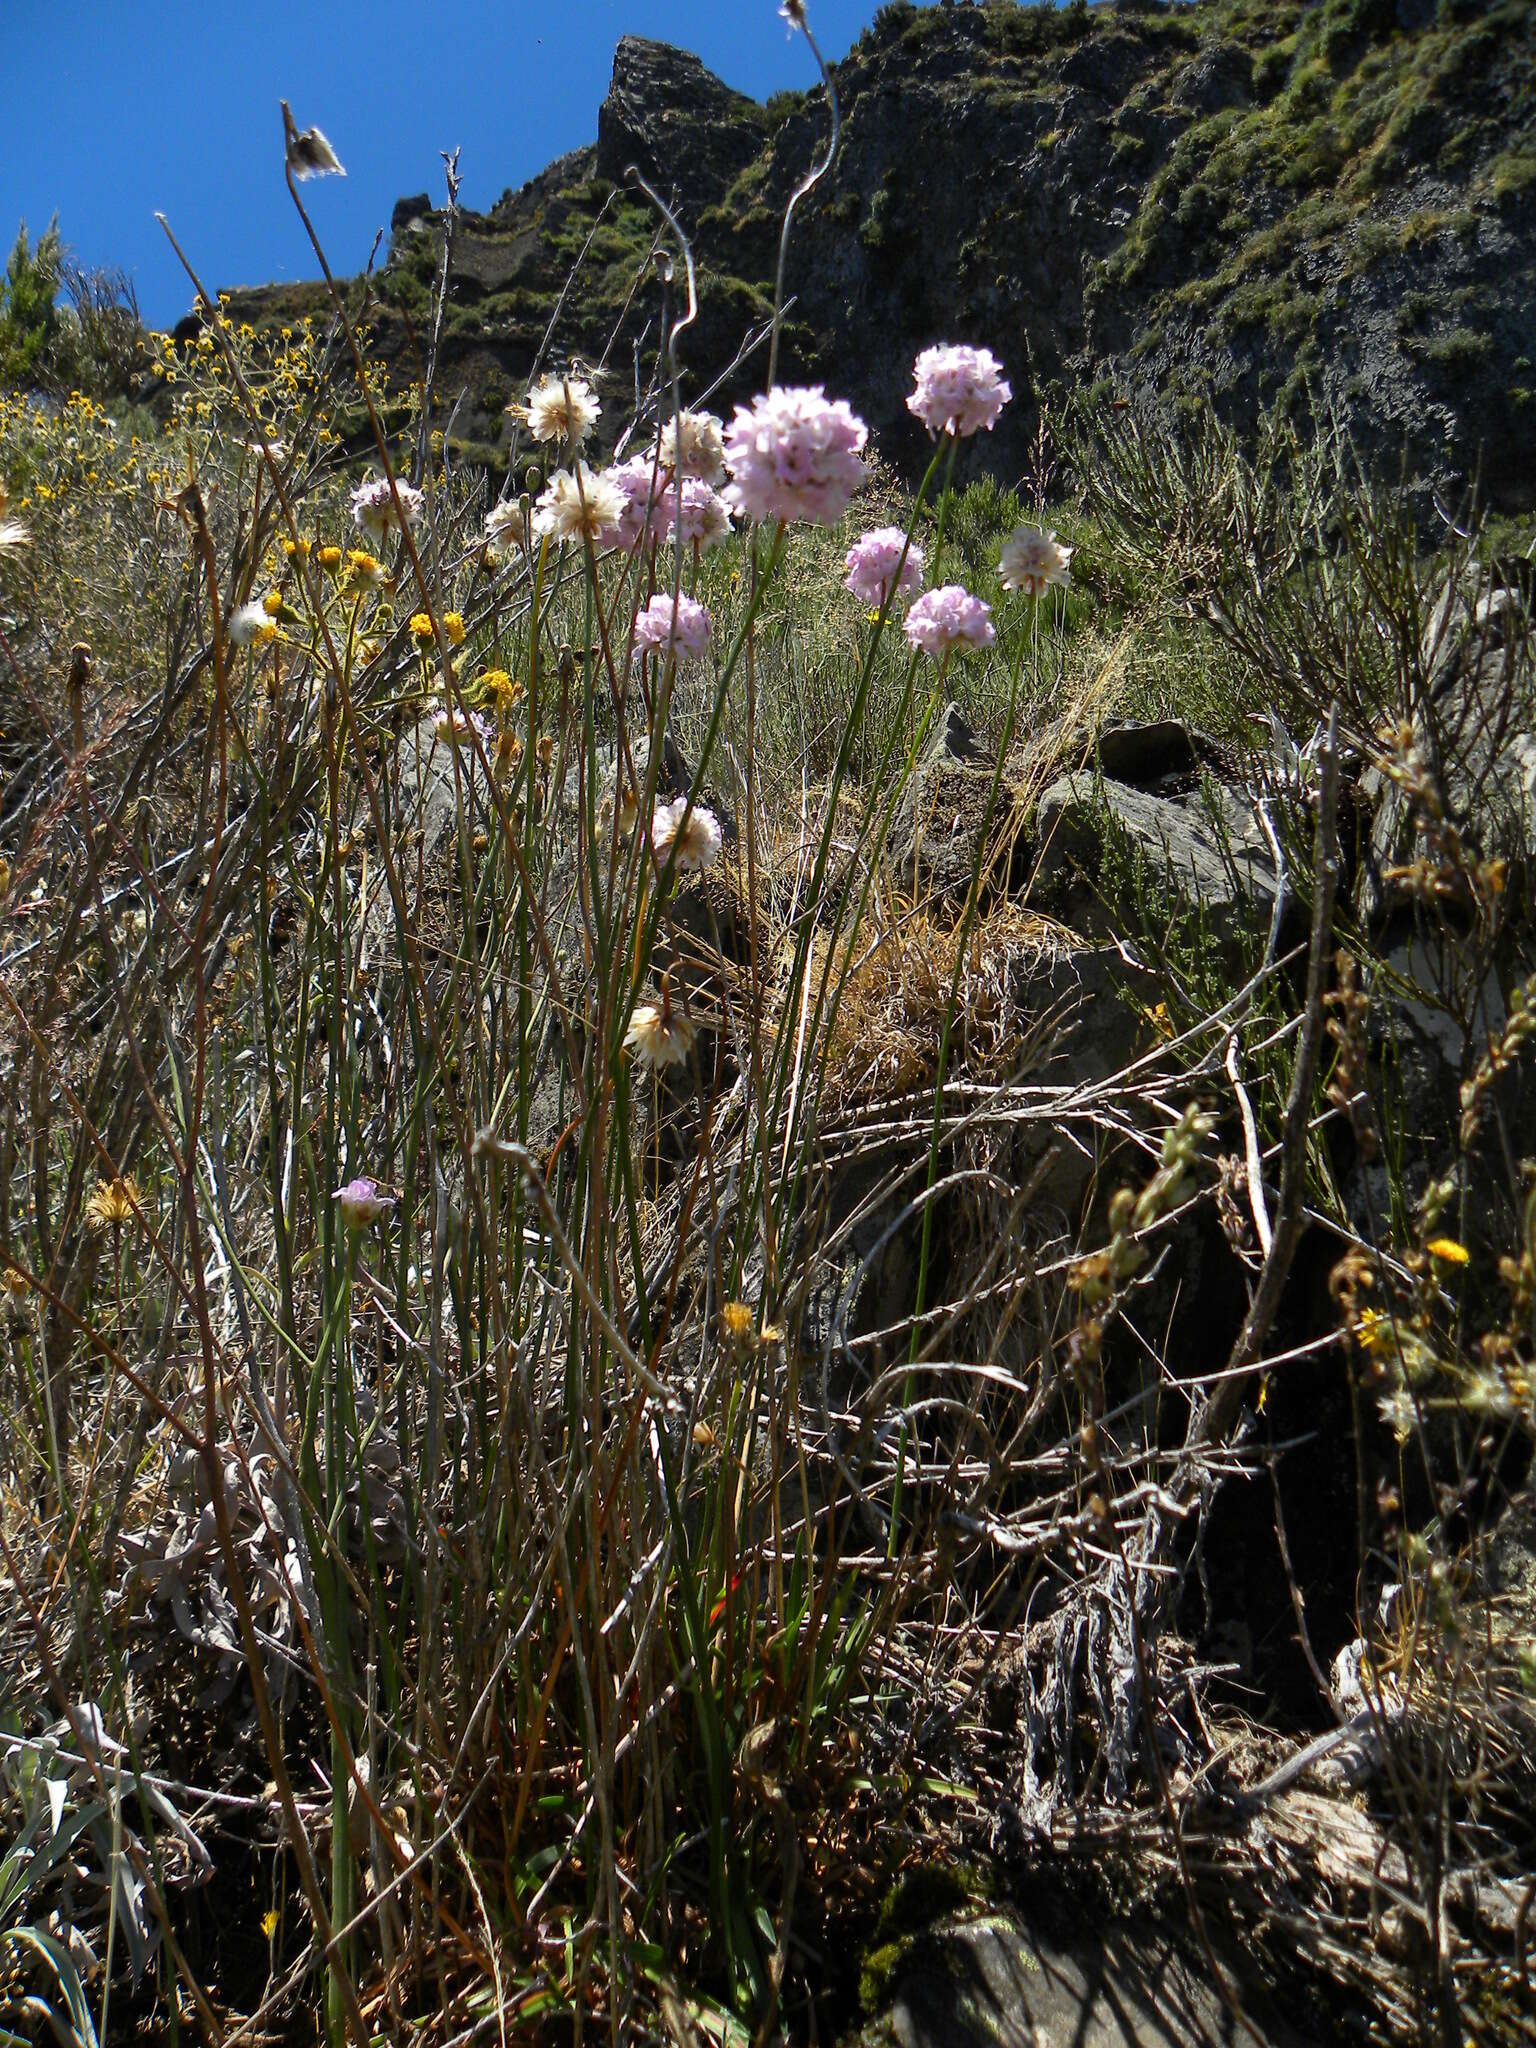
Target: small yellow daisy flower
(296, 550)
(365, 568)
(1448, 1251)
(328, 558)
(1374, 1332)
(453, 626)
(272, 604)
(421, 627)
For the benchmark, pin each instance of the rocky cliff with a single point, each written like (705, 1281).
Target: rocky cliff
(1247, 201)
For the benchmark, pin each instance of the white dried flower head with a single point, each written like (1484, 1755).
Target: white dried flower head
(658, 1035)
(504, 525)
(251, 625)
(578, 504)
(693, 445)
(561, 409)
(12, 533)
(695, 833)
(1032, 560)
(308, 153)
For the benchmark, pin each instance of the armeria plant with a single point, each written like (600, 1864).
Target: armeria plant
(432, 1210)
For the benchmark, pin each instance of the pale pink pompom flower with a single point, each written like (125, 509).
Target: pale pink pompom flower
(702, 520)
(459, 728)
(362, 1201)
(640, 488)
(695, 833)
(687, 625)
(373, 504)
(949, 617)
(794, 455)
(959, 389)
(876, 570)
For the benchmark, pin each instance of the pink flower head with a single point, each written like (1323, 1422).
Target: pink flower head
(959, 389)
(373, 504)
(794, 455)
(950, 617)
(705, 518)
(688, 627)
(876, 571)
(641, 488)
(361, 1202)
(456, 728)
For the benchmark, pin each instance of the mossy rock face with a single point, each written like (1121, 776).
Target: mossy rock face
(1221, 197)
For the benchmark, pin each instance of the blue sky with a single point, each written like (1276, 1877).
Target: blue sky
(117, 108)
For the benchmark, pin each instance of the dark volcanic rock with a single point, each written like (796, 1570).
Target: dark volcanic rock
(687, 133)
(1294, 205)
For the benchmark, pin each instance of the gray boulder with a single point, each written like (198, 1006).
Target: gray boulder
(1207, 849)
(944, 813)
